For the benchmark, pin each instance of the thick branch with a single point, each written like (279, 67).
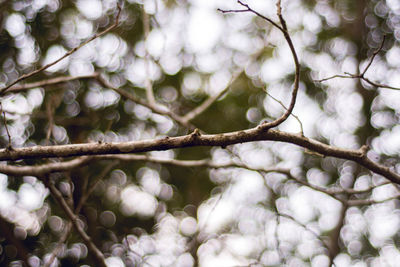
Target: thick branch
(196, 139)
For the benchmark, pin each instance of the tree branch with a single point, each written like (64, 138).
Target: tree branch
(97, 35)
(148, 83)
(137, 100)
(207, 103)
(361, 76)
(40, 170)
(7, 232)
(285, 32)
(78, 208)
(196, 139)
(44, 169)
(44, 83)
(95, 252)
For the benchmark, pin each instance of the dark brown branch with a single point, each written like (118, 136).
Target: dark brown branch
(93, 185)
(373, 57)
(379, 85)
(296, 83)
(285, 32)
(50, 108)
(361, 77)
(248, 9)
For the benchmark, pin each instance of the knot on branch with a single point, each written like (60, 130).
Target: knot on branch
(364, 149)
(195, 134)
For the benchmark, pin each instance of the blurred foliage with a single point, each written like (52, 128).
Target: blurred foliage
(112, 118)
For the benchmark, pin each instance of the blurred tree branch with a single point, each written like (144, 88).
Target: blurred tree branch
(28, 75)
(94, 251)
(7, 232)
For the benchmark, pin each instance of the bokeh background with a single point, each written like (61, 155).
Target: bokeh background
(144, 213)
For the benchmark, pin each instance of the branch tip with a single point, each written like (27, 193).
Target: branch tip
(278, 8)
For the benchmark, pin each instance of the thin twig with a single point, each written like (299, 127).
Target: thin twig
(40, 170)
(363, 202)
(148, 82)
(285, 32)
(44, 83)
(351, 191)
(248, 9)
(95, 252)
(93, 185)
(97, 35)
(316, 235)
(292, 114)
(206, 104)
(78, 208)
(333, 77)
(58, 247)
(379, 85)
(296, 82)
(105, 83)
(50, 117)
(211, 100)
(9, 146)
(137, 100)
(373, 56)
(274, 207)
(209, 164)
(213, 208)
(361, 76)
(8, 236)
(44, 169)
